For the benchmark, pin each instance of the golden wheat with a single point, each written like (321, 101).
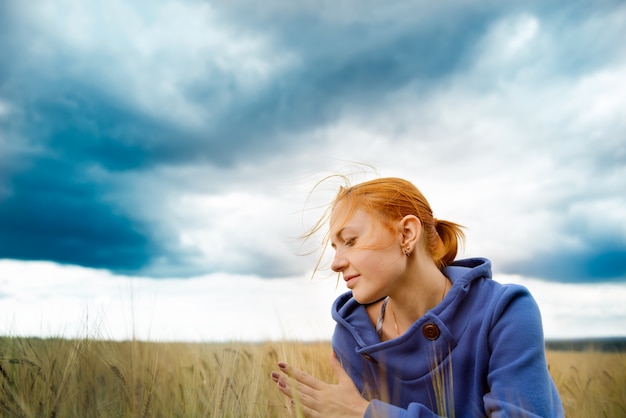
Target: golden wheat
(94, 378)
(591, 384)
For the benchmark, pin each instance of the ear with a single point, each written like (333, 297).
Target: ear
(411, 230)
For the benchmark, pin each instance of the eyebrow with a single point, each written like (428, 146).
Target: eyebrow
(338, 235)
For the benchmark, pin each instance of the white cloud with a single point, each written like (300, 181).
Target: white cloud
(220, 307)
(243, 219)
(577, 310)
(509, 43)
(233, 230)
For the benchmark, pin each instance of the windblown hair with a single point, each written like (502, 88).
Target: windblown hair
(391, 199)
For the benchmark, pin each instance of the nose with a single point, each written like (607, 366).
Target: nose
(339, 263)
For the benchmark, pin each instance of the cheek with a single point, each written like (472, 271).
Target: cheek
(381, 263)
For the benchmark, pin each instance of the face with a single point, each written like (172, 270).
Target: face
(367, 254)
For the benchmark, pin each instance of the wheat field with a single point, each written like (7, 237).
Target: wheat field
(96, 378)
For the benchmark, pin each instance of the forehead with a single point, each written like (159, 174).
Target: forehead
(345, 216)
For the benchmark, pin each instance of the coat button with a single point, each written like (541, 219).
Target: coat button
(370, 358)
(431, 331)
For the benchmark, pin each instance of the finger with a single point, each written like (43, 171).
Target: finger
(292, 388)
(282, 383)
(300, 376)
(276, 377)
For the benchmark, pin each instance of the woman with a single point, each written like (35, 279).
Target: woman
(419, 334)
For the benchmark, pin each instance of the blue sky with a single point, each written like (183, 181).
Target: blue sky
(177, 141)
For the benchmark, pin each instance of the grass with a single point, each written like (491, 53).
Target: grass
(591, 383)
(96, 378)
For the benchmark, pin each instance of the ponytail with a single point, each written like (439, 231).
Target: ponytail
(450, 235)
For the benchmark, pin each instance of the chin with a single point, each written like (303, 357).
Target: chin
(364, 299)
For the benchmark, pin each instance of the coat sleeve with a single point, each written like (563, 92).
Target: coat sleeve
(518, 377)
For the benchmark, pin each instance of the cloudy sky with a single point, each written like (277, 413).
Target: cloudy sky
(157, 157)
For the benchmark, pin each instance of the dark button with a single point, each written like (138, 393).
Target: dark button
(431, 331)
(370, 358)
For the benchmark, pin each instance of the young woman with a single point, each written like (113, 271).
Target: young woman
(419, 334)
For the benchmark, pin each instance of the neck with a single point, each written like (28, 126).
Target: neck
(424, 290)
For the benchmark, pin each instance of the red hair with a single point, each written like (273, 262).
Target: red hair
(391, 199)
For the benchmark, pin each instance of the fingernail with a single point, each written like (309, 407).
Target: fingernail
(282, 384)
(275, 375)
(282, 365)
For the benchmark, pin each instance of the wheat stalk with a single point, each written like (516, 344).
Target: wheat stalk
(116, 371)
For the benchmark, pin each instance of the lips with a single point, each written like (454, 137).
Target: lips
(350, 280)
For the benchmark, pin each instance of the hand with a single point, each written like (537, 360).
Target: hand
(319, 399)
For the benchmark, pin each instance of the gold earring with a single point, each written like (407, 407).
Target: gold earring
(407, 251)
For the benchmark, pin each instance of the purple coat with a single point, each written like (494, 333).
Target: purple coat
(479, 353)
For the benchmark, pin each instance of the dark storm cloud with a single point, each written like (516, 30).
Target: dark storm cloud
(54, 212)
(597, 256)
(55, 203)
(83, 128)
(604, 262)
